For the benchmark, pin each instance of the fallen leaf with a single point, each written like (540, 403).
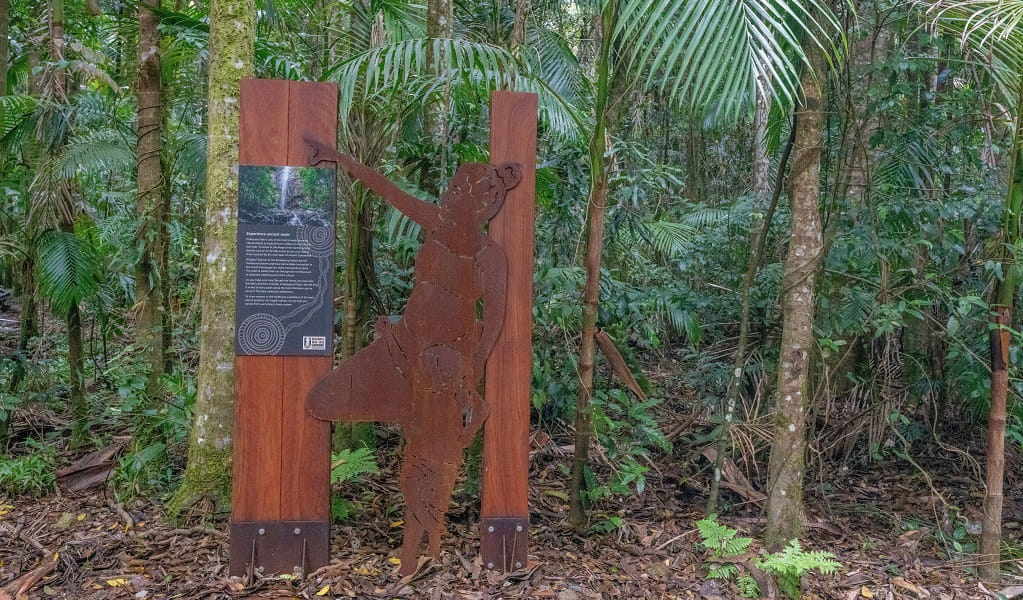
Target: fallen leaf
(556, 494)
(397, 523)
(912, 587)
(81, 517)
(323, 591)
(866, 593)
(116, 582)
(5, 508)
(394, 561)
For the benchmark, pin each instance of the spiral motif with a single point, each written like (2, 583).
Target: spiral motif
(261, 334)
(318, 240)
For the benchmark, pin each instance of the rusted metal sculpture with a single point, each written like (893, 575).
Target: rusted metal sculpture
(424, 371)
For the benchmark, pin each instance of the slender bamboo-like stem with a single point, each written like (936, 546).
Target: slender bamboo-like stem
(1001, 320)
(597, 205)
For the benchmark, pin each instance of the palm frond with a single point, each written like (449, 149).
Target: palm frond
(189, 151)
(990, 32)
(419, 69)
(67, 269)
(93, 152)
(552, 59)
(714, 54)
(16, 120)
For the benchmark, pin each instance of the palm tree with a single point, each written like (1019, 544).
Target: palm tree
(991, 31)
(709, 57)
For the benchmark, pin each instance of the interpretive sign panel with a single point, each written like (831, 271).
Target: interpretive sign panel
(285, 261)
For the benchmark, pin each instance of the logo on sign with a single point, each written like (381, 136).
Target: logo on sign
(314, 342)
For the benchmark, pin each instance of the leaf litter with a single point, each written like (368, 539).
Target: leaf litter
(885, 526)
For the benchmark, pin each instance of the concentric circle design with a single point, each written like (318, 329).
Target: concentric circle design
(261, 334)
(318, 240)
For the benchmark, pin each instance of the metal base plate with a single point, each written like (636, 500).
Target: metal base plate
(503, 543)
(279, 547)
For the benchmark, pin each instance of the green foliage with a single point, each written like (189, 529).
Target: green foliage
(604, 524)
(28, 475)
(342, 509)
(788, 566)
(68, 269)
(720, 539)
(748, 586)
(792, 563)
(702, 54)
(349, 465)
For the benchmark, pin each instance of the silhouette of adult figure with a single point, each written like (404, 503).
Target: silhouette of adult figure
(424, 371)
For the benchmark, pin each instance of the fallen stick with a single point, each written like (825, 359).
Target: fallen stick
(29, 580)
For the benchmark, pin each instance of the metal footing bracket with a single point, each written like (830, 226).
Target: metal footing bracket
(279, 547)
(503, 543)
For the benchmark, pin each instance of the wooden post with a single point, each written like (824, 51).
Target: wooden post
(280, 517)
(504, 517)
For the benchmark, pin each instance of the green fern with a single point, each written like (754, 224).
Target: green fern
(724, 571)
(789, 566)
(720, 539)
(349, 465)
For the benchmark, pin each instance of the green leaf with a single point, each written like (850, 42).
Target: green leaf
(68, 270)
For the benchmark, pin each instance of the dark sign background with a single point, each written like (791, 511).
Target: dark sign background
(285, 279)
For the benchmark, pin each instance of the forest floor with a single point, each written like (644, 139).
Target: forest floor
(885, 525)
(901, 529)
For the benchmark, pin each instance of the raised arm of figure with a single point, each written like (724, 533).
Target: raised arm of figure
(424, 213)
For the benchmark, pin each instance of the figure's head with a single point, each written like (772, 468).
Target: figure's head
(481, 189)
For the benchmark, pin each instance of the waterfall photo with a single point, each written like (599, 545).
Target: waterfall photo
(295, 196)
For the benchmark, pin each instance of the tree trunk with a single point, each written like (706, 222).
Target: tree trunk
(152, 236)
(759, 229)
(1001, 320)
(76, 362)
(591, 291)
(58, 80)
(786, 466)
(518, 37)
(761, 161)
(208, 474)
(440, 24)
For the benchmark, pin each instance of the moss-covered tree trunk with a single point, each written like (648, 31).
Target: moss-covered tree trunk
(153, 232)
(787, 463)
(232, 39)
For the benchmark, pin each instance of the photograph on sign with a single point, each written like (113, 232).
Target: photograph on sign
(285, 261)
(293, 196)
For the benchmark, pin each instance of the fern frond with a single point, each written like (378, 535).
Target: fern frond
(349, 465)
